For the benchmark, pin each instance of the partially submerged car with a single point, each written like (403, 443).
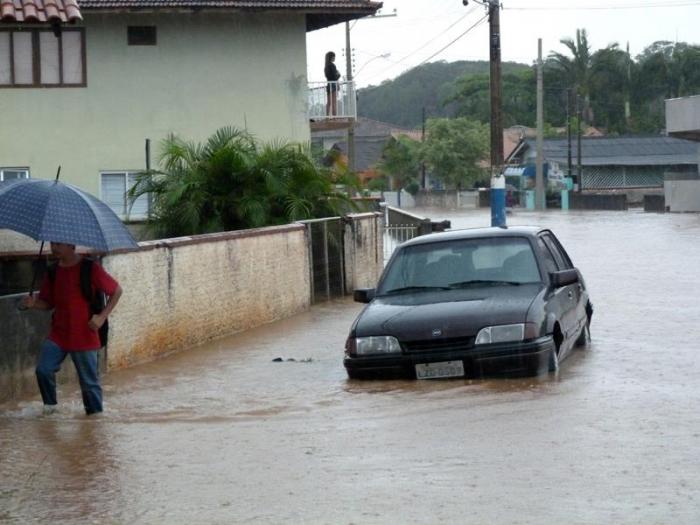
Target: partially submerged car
(471, 303)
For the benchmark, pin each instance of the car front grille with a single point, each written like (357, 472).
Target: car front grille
(443, 345)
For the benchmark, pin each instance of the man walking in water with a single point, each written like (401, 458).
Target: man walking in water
(75, 324)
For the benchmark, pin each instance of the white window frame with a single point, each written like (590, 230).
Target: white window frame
(3, 170)
(125, 213)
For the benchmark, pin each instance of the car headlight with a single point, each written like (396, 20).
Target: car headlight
(378, 344)
(501, 334)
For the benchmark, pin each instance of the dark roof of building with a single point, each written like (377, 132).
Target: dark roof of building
(39, 11)
(319, 13)
(619, 151)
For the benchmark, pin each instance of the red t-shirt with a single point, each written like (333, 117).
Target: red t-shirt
(71, 314)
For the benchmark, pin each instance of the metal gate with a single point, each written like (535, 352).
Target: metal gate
(326, 257)
(395, 234)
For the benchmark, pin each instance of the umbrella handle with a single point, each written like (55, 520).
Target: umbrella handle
(20, 306)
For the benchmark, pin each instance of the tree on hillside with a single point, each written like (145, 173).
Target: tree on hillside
(232, 182)
(610, 86)
(401, 101)
(472, 94)
(664, 70)
(453, 150)
(401, 161)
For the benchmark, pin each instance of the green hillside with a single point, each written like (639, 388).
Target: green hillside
(400, 101)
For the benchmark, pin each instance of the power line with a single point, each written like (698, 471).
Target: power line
(683, 3)
(441, 33)
(474, 26)
(470, 11)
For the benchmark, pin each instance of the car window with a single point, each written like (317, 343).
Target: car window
(547, 257)
(454, 263)
(562, 261)
(560, 249)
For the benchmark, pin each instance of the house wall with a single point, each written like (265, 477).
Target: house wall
(682, 193)
(206, 71)
(683, 117)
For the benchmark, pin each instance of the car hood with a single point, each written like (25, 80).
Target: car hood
(454, 313)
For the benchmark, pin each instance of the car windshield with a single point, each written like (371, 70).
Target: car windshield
(464, 263)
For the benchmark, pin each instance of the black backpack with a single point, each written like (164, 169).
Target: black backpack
(95, 298)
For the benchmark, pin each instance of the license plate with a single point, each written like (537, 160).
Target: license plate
(438, 370)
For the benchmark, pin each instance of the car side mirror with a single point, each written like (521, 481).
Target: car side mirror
(363, 295)
(564, 278)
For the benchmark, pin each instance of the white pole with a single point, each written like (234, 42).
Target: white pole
(539, 176)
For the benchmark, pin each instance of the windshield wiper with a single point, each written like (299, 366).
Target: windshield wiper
(476, 282)
(415, 288)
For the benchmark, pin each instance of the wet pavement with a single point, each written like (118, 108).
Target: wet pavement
(222, 434)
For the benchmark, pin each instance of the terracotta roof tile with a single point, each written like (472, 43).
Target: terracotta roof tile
(323, 5)
(39, 11)
(319, 13)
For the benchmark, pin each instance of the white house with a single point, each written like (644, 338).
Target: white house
(682, 194)
(88, 95)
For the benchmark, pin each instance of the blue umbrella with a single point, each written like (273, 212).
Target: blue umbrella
(49, 210)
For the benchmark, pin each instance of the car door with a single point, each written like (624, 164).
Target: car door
(579, 288)
(571, 294)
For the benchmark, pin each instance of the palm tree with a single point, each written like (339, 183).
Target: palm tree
(577, 68)
(232, 182)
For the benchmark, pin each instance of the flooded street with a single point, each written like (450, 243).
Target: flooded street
(222, 434)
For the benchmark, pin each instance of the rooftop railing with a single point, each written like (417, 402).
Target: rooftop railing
(332, 100)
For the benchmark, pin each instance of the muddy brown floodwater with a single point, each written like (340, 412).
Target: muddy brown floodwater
(222, 434)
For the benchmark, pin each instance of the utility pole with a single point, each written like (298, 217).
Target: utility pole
(498, 183)
(539, 175)
(422, 139)
(579, 115)
(569, 165)
(348, 77)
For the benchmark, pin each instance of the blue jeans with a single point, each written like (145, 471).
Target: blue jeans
(50, 358)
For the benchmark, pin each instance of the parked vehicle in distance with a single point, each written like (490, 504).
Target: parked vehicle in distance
(471, 302)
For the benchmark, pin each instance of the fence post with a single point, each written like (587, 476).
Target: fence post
(326, 263)
(311, 260)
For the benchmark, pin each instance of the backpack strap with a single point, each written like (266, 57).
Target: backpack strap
(86, 279)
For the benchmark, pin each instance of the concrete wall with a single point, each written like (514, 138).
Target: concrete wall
(683, 117)
(447, 199)
(364, 249)
(207, 70)
(21, 334)
(682, 194)
(392, 198)
(180, 293)
(14, 242)
(596, 201)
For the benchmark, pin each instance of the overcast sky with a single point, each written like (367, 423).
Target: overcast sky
(385, 47)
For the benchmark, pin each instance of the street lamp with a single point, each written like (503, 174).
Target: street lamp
(384, 55)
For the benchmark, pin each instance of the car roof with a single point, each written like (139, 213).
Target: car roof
(476, 233)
